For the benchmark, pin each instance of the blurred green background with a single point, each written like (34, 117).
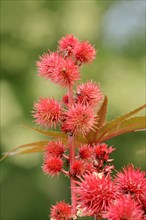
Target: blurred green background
(30, 28)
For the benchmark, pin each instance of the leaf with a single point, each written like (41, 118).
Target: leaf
(57, 134)
(33, 147)
(102, 113)
(101, 116)
(39, 146)
(109, 126)
(32, 150)
(79, 139)
(129, 125)
(53, 134)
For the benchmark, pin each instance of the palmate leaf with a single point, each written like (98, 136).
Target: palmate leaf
(39, 146)
(50, 133)
(115, 123)
(26, 148)
(126, 126)
(101, 116)
(57, 134)
(102, 113)
(103, 132)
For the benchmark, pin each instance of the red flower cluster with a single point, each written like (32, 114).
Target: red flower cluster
(79, 119)
(132, 182)
(47, 112)
(61, 211)
(55, 149)
(96, 157)
(53, 162)
(52, 165)
(89, 94)
(85, 161)
(62, 67)
(96, 193)
(47, 65)
(61, 71)
(67, 45)
(85, 152)
(121, 198)
(101, 153)
(124, 208)
(77, 168)
(82, 52)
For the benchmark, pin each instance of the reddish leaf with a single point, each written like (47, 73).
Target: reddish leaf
(53, 134)
(58, 134)
(102, 113)
(33, 147)
(109, 126)
(101, 116)
(32, 150)
(129, 125)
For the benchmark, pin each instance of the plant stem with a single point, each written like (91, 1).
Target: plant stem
(97, 217)
(71, 157)
(72, 182)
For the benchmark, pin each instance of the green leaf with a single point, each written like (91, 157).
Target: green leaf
(26, 148)
(109, 126)
(129, 125)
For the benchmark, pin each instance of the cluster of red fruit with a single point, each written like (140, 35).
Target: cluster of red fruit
(88, 159)
(97, 193)
(101, 196)
(62, 67)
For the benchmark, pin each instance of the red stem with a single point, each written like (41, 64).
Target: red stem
(72, 182)
(72, 157)
(97, 217)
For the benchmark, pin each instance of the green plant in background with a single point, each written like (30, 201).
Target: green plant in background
(79, 151)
